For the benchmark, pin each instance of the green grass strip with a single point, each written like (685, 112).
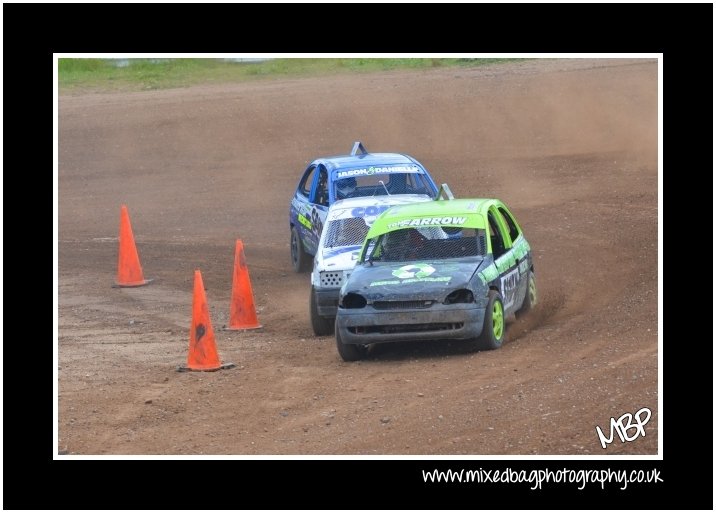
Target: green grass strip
(100, 75)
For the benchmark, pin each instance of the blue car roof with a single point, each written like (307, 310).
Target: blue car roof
(370, 159)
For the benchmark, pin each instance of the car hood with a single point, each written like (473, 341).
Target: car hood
(421, 280)
(341, 258)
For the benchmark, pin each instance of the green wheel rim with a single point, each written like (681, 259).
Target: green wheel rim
(498, 320)
(533, 292)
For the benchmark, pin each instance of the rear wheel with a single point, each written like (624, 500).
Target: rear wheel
(321, 325)
(530, 296)
(300, 260)
(349, 352)
(493, 328)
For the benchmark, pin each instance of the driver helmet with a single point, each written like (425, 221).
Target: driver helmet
(346, 187)
(399, 239)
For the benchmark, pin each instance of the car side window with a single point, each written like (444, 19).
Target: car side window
(322, 187)
(498, 244)
(419, 184)
(305, 186)
(509, 221)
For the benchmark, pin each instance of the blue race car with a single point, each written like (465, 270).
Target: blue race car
(359, 174)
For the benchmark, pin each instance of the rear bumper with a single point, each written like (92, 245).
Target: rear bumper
(439, 322)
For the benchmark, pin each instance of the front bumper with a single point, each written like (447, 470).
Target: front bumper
(439, 322)
(327, 301)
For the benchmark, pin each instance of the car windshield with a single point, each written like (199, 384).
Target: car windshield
(370, 185)
(346, 232)
(428, 243)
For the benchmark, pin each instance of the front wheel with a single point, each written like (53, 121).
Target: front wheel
(321, 326)
(349, 352)
(493, 328)
(300, 260)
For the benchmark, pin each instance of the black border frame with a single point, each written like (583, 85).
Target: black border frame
(33, 480)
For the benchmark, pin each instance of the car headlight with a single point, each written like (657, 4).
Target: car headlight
(460, 296)
(353, 300)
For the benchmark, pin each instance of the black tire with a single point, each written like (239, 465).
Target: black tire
(300, 260)
(530, 295)
(488, 339)
(322, 326)
(349, 352)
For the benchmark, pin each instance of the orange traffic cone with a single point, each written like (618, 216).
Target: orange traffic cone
(202, 346)
(242, 312)
(129, 271)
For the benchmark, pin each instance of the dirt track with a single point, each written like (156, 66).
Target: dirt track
(569, 145)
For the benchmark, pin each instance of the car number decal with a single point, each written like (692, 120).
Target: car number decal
(509, 284)
(317, 223)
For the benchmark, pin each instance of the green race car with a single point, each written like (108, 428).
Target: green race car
(444, 269)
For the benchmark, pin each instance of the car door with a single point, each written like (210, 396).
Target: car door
(519, 250)
(504, 259)
(318, 208)
(301, 206)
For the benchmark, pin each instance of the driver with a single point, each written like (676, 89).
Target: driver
(397, 184)
(322, 190)
(402, 244)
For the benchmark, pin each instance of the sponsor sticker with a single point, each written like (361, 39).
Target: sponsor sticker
(489, 274)
(304, 221)
(427, 221)
(367, 171)
(414, 271)
(409, 280)
(371, 211)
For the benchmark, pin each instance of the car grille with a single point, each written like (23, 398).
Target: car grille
(398, 305)
(406, 328)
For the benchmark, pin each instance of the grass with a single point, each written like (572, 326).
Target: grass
(80, 75)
